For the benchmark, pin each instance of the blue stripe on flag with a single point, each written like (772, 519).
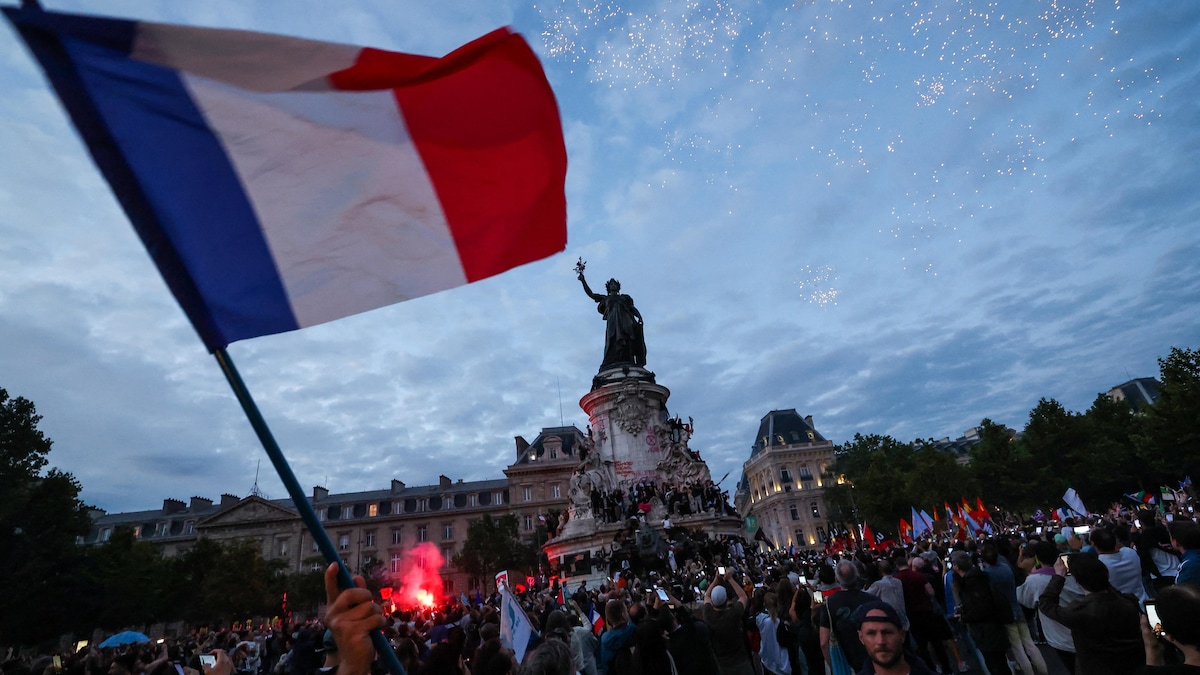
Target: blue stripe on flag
(152, 144)
(193, 191)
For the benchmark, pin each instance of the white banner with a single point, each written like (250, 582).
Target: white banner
(515, 627)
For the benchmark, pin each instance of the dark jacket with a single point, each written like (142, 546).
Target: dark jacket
(1106, 628)
(985, 611)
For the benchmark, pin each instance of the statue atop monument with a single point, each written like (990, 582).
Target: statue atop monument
(624, 339)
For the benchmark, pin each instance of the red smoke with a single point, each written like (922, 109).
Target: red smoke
(420, 582)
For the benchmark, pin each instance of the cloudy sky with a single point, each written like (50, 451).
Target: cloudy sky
(898, 219)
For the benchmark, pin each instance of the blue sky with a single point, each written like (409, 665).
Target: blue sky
(896, 219)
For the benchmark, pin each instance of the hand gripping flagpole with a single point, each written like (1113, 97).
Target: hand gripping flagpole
(307, 513)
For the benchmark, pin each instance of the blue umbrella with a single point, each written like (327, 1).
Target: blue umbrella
(124, 638)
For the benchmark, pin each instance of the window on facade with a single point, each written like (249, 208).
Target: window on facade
(422, 533)
(447, 554)
(189, 527)
(282, 548)
(369, 537)
(422, 505)
(527, 493)
(395, 535)
(795, 512)
(373, 510)
(343, 542)
(106, 534)
(527, 521)
(472, 499)
(137, 531)
(800, 541)
(816, 512)
(785, 476)
(315, 567)
(805, 474)
(322, 514)
(447, 531)
(395, 565)
(472, 583)
(448, 586)
(555, 491)
(347, 512)
(315, 548)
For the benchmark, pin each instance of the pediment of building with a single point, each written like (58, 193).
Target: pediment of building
(250, 510)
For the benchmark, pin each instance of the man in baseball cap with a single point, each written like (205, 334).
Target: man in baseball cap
(882, 634)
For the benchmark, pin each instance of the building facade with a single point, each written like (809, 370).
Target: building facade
(782, 490)
(375, 529)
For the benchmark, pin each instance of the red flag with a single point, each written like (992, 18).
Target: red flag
(868, 537)
(906, 532)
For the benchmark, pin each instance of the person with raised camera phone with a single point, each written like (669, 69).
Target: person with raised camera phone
(1177, 608)
(1105, 625)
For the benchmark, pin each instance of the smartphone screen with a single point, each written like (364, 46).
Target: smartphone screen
(1066, 561)
(662, 595)
(818, 598)
(208, 660)
(1082, 529)
(57, 662)
(803, 580)
(721, 571)
(1152, 616)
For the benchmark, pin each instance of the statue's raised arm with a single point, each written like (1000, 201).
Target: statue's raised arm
(624, 338)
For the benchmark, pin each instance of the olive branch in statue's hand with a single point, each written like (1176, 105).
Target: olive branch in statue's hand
(579, 267)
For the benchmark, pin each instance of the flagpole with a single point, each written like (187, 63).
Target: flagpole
(307, 513)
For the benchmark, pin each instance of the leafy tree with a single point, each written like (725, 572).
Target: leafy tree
(1003, 469)
(41, 517)
(1170, 432)
(130, 581)
(1110, 465)
(493, 545)
(877, 466)
(306, 590)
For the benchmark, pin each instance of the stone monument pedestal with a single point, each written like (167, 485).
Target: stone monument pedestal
(632, 440)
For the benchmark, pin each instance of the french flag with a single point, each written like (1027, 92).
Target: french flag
(280, 182)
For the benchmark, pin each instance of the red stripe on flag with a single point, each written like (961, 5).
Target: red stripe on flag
(486, 125)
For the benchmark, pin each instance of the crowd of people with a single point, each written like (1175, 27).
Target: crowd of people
(723, 607)
(691, 497)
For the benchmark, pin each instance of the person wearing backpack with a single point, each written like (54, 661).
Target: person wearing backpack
(771, 653)
(983, 609)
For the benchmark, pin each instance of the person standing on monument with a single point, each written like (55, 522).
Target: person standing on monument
(624, 339)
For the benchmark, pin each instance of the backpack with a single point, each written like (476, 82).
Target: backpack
(980, 601)
(784, 635)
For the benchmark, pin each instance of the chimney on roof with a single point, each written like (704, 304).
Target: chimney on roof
(200, 503)
(808, 421)
(397, 486)
(443, 482)
(173, 506)
(319, 493)
(228, 500)
(522, 446)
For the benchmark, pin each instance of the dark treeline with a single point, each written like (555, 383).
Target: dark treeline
(1104, 453)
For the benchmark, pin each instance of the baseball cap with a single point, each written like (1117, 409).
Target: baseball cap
(889, 614)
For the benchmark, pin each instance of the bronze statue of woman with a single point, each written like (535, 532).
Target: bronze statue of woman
(624, 338)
